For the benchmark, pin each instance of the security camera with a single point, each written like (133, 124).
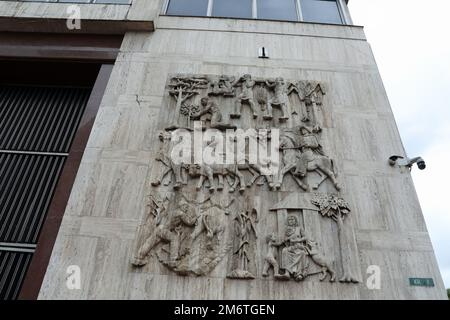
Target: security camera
(406, 162)
(420, 163)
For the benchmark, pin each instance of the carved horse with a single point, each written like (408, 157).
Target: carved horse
(289, 156)
(318, 163)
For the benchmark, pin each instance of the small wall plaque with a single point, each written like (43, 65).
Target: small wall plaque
(421, 282)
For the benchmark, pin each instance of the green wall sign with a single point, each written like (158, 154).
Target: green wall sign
(421, 282)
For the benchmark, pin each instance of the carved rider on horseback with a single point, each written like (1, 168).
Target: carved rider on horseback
(309, 146)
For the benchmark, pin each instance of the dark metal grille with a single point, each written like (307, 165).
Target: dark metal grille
(40, 119)
(13, 266)
(37, 126)
(26, 185)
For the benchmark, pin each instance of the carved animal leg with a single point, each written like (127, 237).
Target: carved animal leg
(323, 177)
(241, 179)
(220, 185)
(157, 182)
(282, 173)
(332, 275)
(329, 174)
(300, 183)
(211, 182)
(324, 274)
(253, 180)
(200, 182)
(235, 184)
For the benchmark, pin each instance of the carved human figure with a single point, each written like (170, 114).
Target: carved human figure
(245, 97)
(245, 235)
(163, 156)
(208, 106)
(311, 94)
(208, 222)
(279, 100)
(289, 154)
(167, 231)
(221, 86)
(294, 255)
(313, 158)
(270, 260)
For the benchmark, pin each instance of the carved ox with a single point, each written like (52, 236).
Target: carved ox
(208, 172)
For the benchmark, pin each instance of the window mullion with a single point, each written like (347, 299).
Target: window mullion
(254, 9)
(343, 11)
(210, 8)
(165, 7)
(299, 11)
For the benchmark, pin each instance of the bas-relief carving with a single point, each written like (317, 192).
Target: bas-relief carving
(295, 253)
(192, 236)
(243, 253)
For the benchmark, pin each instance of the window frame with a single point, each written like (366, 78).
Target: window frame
(343, 13)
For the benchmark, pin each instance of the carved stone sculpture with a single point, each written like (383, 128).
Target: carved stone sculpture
(337, 209)
(168, 229)
(270, 259)
(184, 88)
(169, 166)
(188, 229)
(245, 97)
(296, 254)
(313, 158)
(208, 106)
(222, 85)
(177, 230)
(244, 243)
(280, 98)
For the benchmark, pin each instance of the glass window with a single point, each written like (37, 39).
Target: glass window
(232, 8)
(277, 10)
(325, 11)
(188, 7)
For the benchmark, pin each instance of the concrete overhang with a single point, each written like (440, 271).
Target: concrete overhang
(48, 17)
(59, 25)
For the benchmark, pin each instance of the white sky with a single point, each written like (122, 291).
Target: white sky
(411, 43)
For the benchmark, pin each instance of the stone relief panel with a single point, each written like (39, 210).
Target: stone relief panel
(202, 217)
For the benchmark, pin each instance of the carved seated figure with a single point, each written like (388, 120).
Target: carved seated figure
(294, 255)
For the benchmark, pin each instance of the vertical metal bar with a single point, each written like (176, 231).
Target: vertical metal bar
(344, 12)
(210, 8)
(299, 10)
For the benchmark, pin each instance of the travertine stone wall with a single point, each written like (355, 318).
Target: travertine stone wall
(109, 200)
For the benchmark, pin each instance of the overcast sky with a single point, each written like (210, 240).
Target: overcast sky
(411, 44)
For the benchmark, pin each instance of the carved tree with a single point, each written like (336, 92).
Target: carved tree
(336, 208)
(188, 111)
(182, 89)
